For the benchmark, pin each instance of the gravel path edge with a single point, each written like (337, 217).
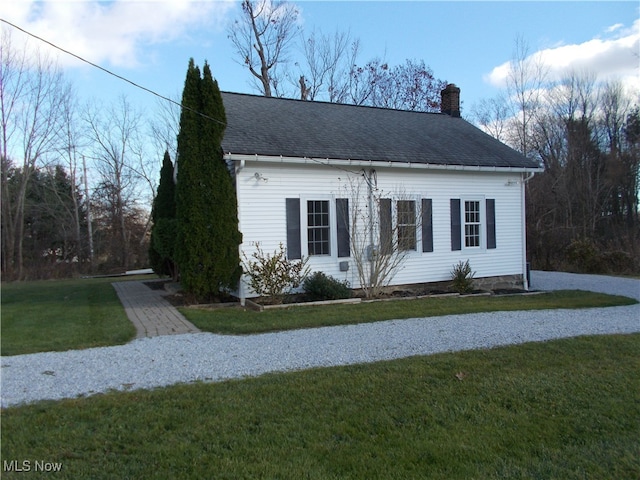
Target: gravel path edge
(167, 360)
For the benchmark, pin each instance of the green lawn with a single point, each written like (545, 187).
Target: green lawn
(566, 409)
(60, 315)
(241, 321)
(82, 313)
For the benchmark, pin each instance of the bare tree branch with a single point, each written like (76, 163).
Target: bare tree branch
(262, 36)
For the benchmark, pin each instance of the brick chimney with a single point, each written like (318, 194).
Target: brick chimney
(450, 100)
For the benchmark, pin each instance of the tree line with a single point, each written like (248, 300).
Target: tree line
(74, 177)
(582, 211)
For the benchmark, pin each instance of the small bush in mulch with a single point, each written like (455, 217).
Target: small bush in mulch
(320, 287)
(462, 277)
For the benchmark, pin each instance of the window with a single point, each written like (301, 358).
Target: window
(406, 224)
(471, 223)
(320, 225)
(478, 218)
(318, 238)
(400, 233)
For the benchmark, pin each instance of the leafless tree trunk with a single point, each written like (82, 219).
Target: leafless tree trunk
(89, 219)
(525, 81)
(117, 147)
(32, 92)
(262, 37)
(381, 233)
(326, 65)
(69, 145)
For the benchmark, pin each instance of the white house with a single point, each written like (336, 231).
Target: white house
(447, 189)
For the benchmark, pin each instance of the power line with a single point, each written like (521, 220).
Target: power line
(120, 77)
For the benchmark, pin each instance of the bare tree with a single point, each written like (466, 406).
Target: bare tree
(590, 173)
(582, 211)
(327, 61)
(362, 81)
(492, 116)
(32, 93)
(525, 82)
(382, 230)
(619, 126)
(409, 86)
(164, 126)
(262, 36)
(68, 149)
(117, 149)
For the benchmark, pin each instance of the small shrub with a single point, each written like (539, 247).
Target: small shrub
(322, 287)
(274, 275)
(584, 256)
(618, 261)
(462, 277)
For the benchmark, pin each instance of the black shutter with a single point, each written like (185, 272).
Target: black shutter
(456, 230)
(386, 233)
(342, 228)
(294, 248)
(491, 223)
(427, 225)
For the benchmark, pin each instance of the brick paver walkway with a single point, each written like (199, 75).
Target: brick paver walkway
(151, 314)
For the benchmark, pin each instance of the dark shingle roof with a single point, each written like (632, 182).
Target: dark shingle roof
(295, 128)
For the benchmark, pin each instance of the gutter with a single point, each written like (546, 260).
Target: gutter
(359, 164)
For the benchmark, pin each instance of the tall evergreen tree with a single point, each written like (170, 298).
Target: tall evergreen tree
(163, 215)
(206, 208)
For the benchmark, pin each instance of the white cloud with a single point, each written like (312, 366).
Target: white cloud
(112, 33)
(615, 27)
(616, 57)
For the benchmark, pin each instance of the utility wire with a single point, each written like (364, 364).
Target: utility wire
(120, 77)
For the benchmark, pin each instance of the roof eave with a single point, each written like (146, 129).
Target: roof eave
(376, 164)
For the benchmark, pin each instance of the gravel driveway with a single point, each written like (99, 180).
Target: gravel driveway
(161, 361)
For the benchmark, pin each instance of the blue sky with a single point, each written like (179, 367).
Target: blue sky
(151, 41)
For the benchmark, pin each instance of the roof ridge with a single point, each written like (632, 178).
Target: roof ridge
(337, 104)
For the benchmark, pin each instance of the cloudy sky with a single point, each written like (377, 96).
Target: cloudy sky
(467, 43)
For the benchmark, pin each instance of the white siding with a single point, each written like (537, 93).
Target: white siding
(263, 188)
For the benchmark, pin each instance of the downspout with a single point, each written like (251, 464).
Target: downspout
(525, 282)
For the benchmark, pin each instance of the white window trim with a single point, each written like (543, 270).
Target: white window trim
(483, 223)
(416, 218)
(417, 204)
(304, 226)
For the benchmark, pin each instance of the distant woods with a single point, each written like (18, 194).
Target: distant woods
(75, 178)
(582, 212)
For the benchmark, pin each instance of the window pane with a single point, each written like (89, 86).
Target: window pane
(406, 224)
(472, 223)
(318, 227)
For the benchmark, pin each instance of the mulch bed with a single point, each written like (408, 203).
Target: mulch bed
(180, 300)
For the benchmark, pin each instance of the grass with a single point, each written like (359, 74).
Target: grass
(83, 313)
(565, 409)
(241, 321)
(61, 315)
